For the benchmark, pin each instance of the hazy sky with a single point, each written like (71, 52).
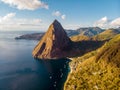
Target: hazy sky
(38, 14)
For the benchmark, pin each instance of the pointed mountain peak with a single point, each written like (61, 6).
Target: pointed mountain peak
(56, 27)
(55, 21)
(54, 43)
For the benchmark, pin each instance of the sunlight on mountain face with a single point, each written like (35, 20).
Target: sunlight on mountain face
(97, 69)
(63, 45)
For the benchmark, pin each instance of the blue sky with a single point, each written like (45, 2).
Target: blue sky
(38, 14)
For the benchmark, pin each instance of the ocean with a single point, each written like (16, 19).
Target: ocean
(20, 71)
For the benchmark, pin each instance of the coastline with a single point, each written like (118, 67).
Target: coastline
(63, 81)
(70, 70)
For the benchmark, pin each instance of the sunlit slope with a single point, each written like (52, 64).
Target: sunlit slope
(98, 69)
(106, 35)
(80, 38)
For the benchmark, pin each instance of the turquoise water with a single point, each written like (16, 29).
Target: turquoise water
(20, 71)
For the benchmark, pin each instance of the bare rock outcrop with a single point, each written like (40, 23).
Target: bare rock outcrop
(54, 44)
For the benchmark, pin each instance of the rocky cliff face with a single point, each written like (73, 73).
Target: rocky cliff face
(54, 44)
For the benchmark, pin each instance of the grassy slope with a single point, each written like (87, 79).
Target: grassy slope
(98, 69)
(80, 38)
(107, 34)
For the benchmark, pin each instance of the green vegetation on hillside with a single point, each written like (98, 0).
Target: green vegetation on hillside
(80, 38)
(96, 70)
(106, 35)
(89, 31)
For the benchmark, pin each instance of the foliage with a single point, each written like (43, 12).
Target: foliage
(96, 70)
(106, 35)
(80, 38)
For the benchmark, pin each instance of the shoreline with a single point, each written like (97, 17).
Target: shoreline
(68, 74)
(65, 77)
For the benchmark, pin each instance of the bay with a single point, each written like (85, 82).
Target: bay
(20, 71)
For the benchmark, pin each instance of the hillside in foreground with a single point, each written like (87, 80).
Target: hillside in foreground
(98, 69)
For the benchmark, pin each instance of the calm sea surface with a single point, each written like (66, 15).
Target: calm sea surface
(20, 71)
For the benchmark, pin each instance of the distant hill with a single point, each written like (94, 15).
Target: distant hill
(89, 31)
(96, 70)
(80, 38)
(95, 32)
(34, 36)
(86, 34)
(72, 32)
(38, 36)
(107, 34)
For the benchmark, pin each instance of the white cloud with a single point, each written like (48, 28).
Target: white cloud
(103, 22)
(115, 23)
(7, 18)
(104, 19)
(10, 22)
(26, 4)
(58, 14)
(63, 17)
(106, 23)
